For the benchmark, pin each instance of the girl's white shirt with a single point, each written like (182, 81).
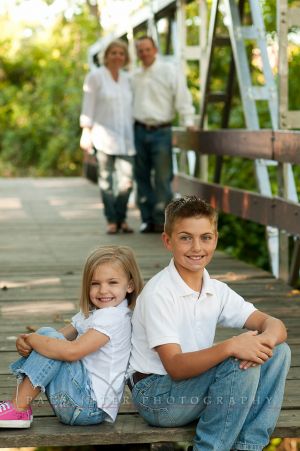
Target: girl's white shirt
(107, 110)
(107, 366)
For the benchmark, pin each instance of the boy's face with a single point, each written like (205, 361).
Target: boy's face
(192, 243)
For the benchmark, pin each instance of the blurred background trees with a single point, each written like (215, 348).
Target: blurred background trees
(43, 62)
(42, 66)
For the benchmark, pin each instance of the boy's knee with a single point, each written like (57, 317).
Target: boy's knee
(248, 377)
(283, 352)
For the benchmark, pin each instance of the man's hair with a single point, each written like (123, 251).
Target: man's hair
(115, 255)
(148, 38)
(188, 207)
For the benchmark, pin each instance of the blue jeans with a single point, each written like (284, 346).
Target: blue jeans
(115, 203)
(236, 409)
(66, 385)
(153, 172)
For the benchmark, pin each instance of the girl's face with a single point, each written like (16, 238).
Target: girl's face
(115, 57)
(109, 285)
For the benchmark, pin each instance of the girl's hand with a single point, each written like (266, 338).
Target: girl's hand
(23, 348)
(250, 349)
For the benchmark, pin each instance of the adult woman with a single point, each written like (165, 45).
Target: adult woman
(106, 120)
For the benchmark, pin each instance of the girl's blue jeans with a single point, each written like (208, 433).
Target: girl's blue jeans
(66, 385)
(236, 409)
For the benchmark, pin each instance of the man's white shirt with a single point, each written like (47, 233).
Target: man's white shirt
(159, 91)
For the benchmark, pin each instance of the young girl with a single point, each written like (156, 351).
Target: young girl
(82, 367)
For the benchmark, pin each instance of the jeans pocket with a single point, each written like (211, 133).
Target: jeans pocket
(156, 416)
(65, 408)
(87, 417)
(151, 397)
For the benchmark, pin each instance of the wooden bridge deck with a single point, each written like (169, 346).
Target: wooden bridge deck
(47, 228)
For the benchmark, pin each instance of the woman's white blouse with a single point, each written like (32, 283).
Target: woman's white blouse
(107, 110)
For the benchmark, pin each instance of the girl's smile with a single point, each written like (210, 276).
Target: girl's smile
(109, 285)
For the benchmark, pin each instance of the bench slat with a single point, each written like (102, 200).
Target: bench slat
(129, 428)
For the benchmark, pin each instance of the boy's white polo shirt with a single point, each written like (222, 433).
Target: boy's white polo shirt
(169, 311)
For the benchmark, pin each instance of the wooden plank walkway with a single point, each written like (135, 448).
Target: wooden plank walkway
(47, 228)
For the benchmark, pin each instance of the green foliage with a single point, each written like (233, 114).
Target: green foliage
(232, 233)
(236, 172)
(40, 101)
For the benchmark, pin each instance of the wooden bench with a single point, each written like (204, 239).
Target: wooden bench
(39, 285)
(129, 428)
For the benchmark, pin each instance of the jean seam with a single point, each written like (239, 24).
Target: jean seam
(34, 379)
(228, 418)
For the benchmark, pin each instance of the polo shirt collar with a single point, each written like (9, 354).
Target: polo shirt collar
(183, 289)
(207, 285)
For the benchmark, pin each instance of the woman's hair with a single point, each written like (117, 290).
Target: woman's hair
(121, 255)
(188, 207)
(117, 43)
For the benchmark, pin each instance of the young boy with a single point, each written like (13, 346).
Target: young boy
(177, 374)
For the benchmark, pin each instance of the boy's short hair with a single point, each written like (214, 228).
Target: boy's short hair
(188, 207)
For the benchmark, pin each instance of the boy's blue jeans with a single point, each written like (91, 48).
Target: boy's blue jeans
(236, 409)
(66, 385)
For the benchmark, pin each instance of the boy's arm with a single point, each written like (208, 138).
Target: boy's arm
(271, 330)
(69, 351)
(185, 365)
(254, 346)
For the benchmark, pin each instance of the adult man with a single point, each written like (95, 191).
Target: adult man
(159, 92)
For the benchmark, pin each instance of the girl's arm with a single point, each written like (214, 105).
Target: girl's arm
(69, 332)
(68, 351)
(24, 348)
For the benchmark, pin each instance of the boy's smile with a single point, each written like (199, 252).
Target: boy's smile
(192, 243)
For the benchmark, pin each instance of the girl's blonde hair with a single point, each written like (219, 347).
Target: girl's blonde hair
(117, 43)
(121, 255)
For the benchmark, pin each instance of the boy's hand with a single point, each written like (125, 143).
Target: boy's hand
(267, 340)
(23, 348)
(264, 339)
(251, 349)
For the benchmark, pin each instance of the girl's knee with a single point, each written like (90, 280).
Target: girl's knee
(48, 331)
